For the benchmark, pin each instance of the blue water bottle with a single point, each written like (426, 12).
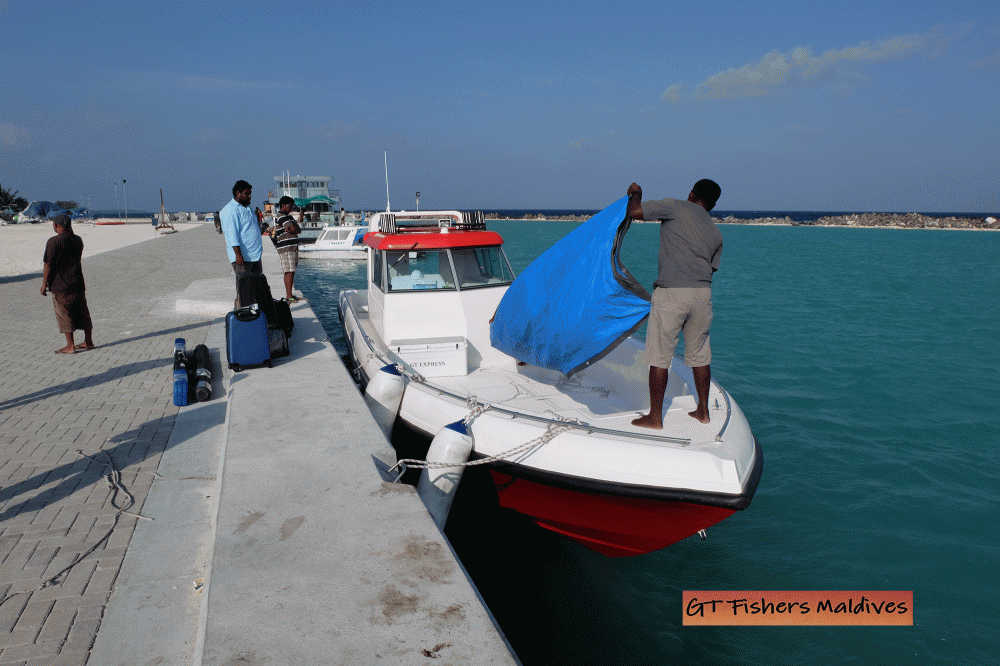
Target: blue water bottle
(180, 374)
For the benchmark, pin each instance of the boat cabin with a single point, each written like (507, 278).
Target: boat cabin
(340, 236)
(313, 195)
(435, 279)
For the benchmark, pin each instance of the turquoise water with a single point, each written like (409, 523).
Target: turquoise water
(866, 361)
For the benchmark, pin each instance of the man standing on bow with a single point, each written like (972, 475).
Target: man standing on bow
(242, 231)
(690, 249)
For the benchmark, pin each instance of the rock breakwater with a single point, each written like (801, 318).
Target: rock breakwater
(892, 220)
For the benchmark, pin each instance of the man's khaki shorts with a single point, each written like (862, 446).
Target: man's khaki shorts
(677, 309)
(289, 259)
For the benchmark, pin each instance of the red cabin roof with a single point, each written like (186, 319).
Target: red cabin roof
(431, 240)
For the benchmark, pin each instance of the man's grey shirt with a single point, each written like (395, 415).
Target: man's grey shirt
(690, 243)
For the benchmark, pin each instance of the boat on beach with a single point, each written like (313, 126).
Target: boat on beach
(337, 242)
(560, 447)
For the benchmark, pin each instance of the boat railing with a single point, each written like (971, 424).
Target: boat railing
(729, 411)
(590, 429)
(530, 417)
(473, 221)
(541, 419)
(424, 221)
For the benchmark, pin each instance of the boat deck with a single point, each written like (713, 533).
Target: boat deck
(587, 417)
(610, 405)
(609, 395)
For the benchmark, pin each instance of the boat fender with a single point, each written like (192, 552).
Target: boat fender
(437, 485)
(384, 394)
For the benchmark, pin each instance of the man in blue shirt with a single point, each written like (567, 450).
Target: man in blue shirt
(242, 231)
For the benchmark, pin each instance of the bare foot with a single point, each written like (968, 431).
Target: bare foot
(647, 421)
(83, 346)
(704, 418)
(65, 350)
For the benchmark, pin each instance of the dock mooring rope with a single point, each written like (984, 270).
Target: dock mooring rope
(555, 428)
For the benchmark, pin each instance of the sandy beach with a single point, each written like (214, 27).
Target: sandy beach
(22, 245)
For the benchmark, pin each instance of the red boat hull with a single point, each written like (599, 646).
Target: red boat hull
(613, 526)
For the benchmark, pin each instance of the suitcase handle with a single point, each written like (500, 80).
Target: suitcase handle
(246, 314)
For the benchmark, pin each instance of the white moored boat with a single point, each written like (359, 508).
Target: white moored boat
(559, 449)
(337, 242)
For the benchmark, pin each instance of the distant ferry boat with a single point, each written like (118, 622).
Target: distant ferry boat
(313, 195)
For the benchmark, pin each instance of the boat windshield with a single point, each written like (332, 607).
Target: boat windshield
(481, 267)
(411, 271)
(337, 234)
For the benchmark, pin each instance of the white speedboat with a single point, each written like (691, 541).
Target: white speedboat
(561, 450)
(337, 242)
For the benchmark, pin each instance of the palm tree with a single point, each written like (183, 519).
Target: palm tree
(8, 198)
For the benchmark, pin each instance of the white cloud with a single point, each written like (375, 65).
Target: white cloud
(210, 135)
(673, 93)
(938, 40)
(336, 130)
(212, 84)
(777, 71)
(12, 135)
(780, 70)
(989, 62)
(588, 144)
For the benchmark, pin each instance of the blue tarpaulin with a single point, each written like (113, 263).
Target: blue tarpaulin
(42, 210)
(576, 302)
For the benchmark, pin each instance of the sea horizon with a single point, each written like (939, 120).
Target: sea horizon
(535, 213)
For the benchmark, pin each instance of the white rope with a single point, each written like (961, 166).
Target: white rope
(573, 384)
(114, 479)
(412, 376)
(476, 409)
(555, 428)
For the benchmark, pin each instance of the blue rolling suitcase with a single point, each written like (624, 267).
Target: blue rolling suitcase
(247, 340)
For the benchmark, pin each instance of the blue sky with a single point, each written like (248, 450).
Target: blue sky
(888, 106)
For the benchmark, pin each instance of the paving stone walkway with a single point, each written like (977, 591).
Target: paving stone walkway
(65, 418)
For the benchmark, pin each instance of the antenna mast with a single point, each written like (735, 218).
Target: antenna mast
(388, 207)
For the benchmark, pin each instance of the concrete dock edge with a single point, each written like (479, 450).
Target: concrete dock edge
(275, 541)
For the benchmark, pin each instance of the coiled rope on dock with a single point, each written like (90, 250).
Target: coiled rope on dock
(114, 480)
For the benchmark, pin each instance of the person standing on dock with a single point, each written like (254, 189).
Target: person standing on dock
(690, 250)
(242, 231)
(286, 238)
(62, 274)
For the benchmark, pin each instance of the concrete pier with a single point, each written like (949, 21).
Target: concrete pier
(261, 531)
